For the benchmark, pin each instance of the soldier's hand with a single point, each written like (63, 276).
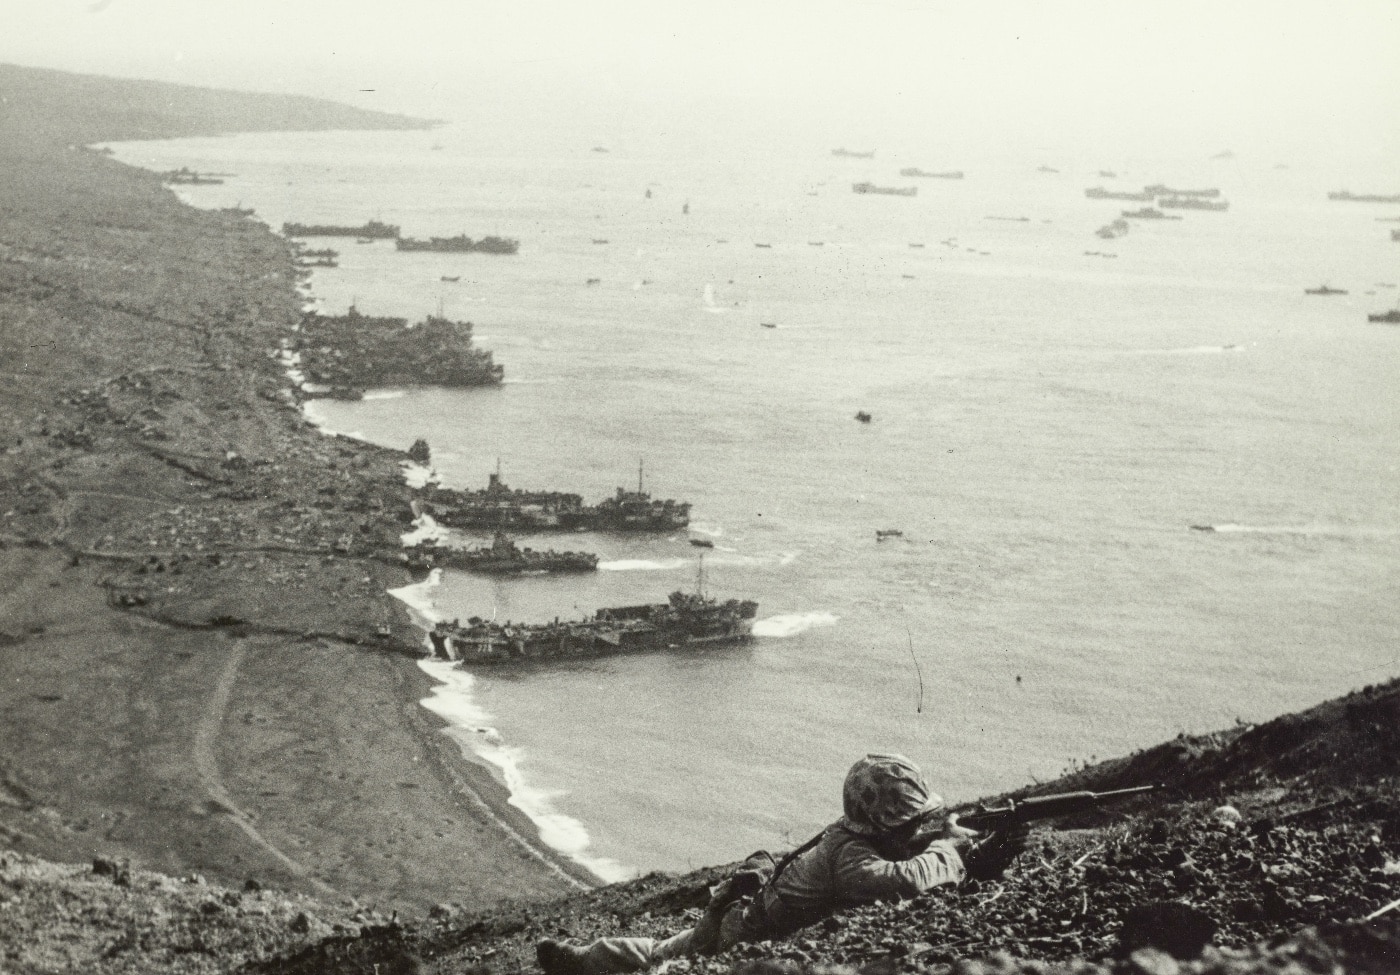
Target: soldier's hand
(989, 857)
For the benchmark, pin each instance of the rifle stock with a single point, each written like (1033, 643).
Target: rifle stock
(1016, 811)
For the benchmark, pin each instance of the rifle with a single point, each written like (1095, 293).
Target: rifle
(1016, 811)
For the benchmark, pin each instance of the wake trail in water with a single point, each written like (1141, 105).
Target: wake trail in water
(791, 624)
(641, 565)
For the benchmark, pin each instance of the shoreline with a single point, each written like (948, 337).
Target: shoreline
(203, 669)
(482, 752)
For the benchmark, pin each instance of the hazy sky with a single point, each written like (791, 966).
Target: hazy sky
(1275, 74)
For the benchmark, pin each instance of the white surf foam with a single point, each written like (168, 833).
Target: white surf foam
(470, 727)
(640, 565)
(416, 475)
(383, 394)
(424, 529)
(791, 624)
(418, 597)
(1333, 531)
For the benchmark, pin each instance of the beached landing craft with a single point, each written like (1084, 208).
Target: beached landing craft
(373, 230)
(497, 506)
(686, 620)
(502, 558)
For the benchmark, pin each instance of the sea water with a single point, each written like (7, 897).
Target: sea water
(1056, 420)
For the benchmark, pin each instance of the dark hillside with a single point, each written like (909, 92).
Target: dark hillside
(1311, 843)
(59, 107)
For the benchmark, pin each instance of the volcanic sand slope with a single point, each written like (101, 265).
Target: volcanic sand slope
(199, 666)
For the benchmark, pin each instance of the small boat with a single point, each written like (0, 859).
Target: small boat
(451, 277)
(769, 246)
(1203, 528)
(916, 246)
(1391, 317)
(864, 417)
(600, 240)
(883, 533)
(769, 324)
(702, 543)
(1324, 290)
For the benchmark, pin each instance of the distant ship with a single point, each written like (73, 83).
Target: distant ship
(686, 620)
(373, 230)
(1150, 213)
(1193, 203)
(1392, 317)
(885, 190)
(1099, 193)
(1159, 189)
(852, 154)
(916, 171)
(1117, 228)
(461, 244)
(1324, 290)
(188, 177)
(503, 557)
(1363, 197)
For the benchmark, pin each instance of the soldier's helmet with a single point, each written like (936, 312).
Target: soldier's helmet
(883, 792)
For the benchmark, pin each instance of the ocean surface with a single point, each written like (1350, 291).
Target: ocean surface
(1056, 417)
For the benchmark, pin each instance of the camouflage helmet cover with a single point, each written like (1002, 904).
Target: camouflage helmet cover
(883, 792)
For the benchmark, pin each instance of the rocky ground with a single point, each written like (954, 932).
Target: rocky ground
(1299, 872)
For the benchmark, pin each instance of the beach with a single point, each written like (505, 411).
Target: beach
(202, 668)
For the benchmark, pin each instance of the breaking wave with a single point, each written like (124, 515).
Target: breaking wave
(419, 599)
(470, 727)
(791, 624)
(640, 565)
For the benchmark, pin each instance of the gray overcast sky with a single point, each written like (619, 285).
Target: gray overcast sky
(1267, 72)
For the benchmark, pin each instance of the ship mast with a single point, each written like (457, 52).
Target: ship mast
(640, 461)
(700, 578)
